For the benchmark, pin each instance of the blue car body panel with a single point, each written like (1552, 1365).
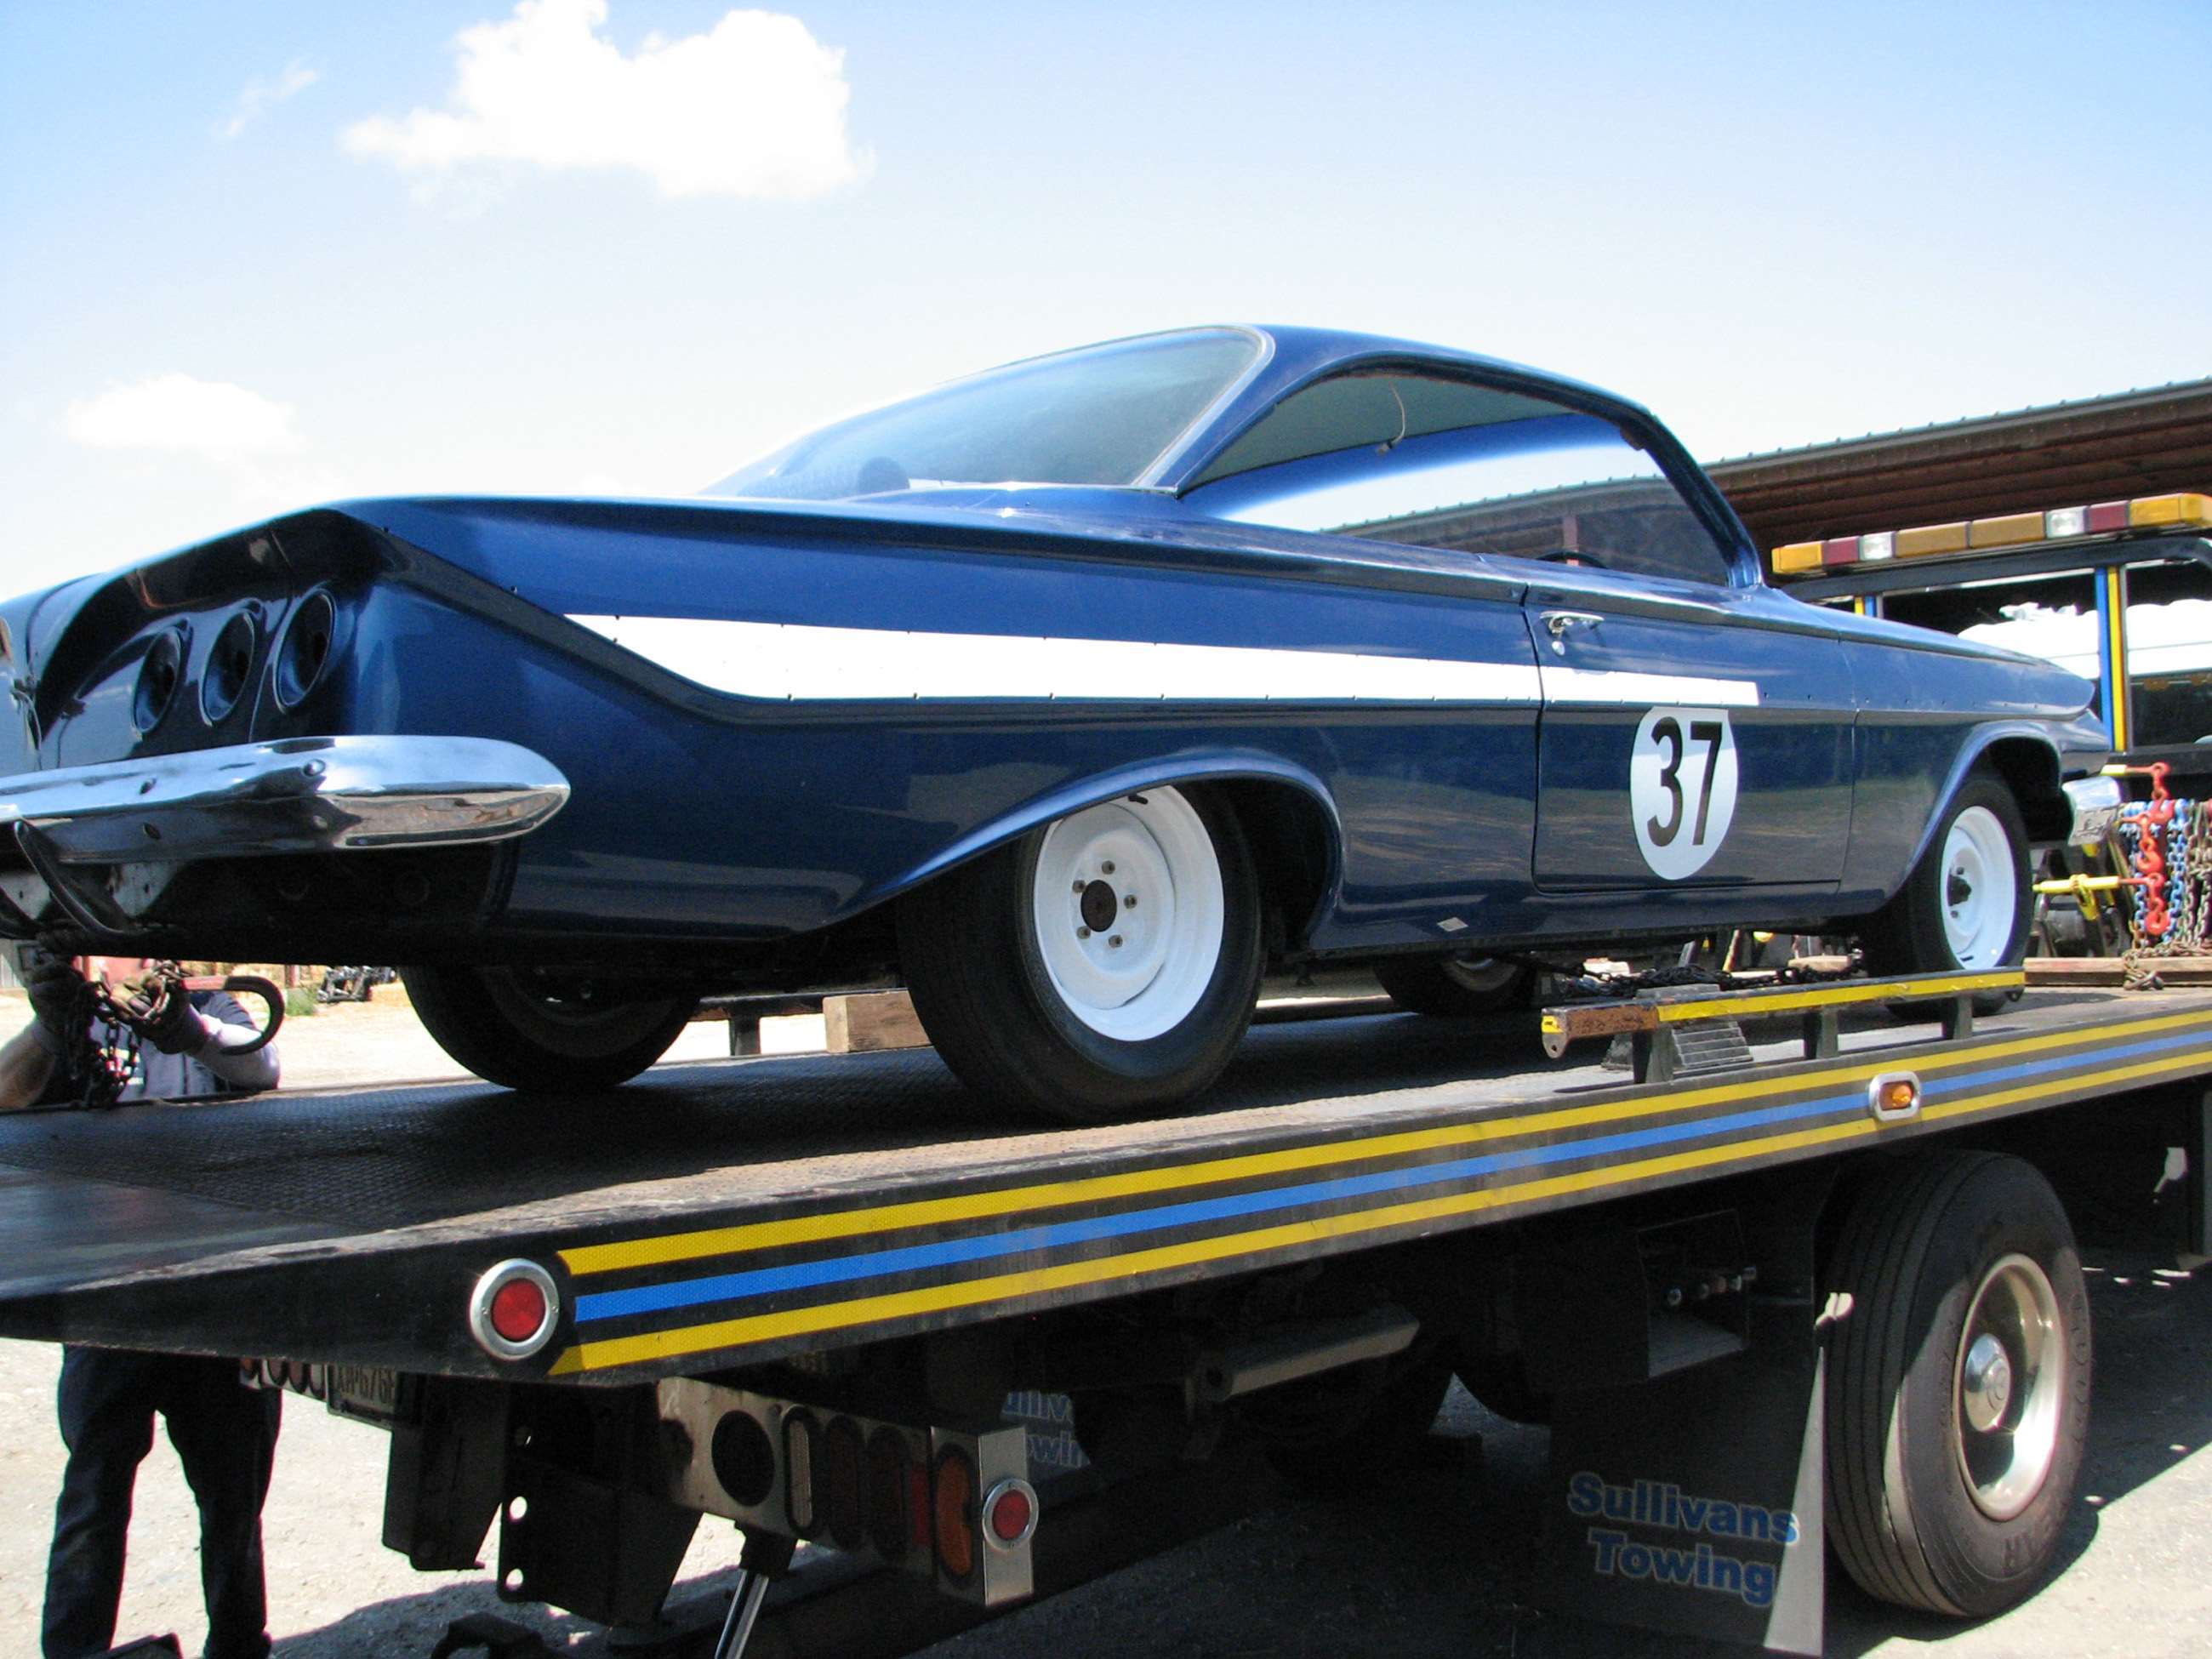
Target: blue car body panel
(1480, 795)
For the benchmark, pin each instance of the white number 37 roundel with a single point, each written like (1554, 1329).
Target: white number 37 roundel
(1681, 788)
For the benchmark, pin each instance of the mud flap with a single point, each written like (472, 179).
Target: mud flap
(1693, 1503)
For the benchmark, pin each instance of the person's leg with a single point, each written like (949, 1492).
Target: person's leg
(106, 1404)
(226, 1436)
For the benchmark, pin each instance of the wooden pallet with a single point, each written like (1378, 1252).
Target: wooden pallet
(2110, 970)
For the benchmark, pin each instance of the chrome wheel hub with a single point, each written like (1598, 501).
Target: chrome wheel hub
(2009, 1388)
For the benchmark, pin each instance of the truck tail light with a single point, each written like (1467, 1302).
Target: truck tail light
(844, 1517)
(1009, 1513)
(800, 1436)
(888, 1527)
(954, 1508)
(514, 1310)
(952, 1504)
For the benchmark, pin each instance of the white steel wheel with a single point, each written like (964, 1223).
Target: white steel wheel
(1964, 906)
(1979, 893)
(1128, 905)
(1101, 966)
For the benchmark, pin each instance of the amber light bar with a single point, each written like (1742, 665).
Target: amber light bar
(1985, 535)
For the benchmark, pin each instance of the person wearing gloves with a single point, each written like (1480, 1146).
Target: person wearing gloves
(225, 1434)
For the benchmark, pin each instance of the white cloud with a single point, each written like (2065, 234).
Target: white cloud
(178, 412)
(260, 93)
(755, 107)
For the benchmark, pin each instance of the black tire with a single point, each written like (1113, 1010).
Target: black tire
(1348, 1432)
(1912, 934)
(497, 1023)
(1911, 1476)
(974, 964)
(1455, 987)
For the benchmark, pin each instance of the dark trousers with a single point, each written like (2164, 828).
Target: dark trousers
(226, 1437)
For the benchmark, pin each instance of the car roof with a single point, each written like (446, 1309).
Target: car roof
(1293, 355)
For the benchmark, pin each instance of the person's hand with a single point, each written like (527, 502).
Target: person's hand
(177, 1027)
(58, 1007)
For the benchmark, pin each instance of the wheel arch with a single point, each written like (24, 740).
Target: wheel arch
(2025, 759)
(2029, 766)
(1286, 813)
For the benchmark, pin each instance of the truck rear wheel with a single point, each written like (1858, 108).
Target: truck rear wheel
(511, 1029)
(1958, 1383)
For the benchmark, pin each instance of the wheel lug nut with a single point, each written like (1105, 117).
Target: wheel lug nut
(1113, 939)
(1107, 868)
(1129, 903)
(1083, 933)
(1080, 883)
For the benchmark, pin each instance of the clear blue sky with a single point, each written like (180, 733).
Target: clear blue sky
(253, 255)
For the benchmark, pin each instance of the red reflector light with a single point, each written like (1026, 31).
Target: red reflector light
(954, 1510)
(1011, 1514)
(518, 1309)
(514, 1310)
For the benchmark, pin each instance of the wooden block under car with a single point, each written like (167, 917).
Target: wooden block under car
(871, 1020)
(2111, 971)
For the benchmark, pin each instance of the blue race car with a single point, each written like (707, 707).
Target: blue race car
(1073, 696)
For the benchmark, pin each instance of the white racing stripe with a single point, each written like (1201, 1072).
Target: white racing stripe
(1588, 685)
(795, 662)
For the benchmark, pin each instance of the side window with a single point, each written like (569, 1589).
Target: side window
(1440, 463)
(2053, 618)
(2169, 647)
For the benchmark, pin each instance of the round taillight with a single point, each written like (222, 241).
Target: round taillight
(954, 1504)
(517, 1309)
(229, 668)
(310, 641)
(514, 1310)
(160, 672)
(744, 1459)
(1010, 1513)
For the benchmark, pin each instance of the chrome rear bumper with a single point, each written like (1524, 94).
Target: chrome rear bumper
(2096, 803)
(299, 795)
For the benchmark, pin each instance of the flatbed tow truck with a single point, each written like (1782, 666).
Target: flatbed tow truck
(1800, 1279)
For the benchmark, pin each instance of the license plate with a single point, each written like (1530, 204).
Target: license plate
(368, 1394)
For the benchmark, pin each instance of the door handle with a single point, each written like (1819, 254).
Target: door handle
(1559, 622)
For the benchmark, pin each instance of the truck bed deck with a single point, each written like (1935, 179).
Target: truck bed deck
(714, 1212)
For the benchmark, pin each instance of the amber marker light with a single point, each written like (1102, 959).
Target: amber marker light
(1894, 1096)
(955, 1507)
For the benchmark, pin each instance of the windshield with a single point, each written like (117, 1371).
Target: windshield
(1100, 415)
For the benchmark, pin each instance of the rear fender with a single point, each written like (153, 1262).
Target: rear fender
(1307, 852)
(2022, 753)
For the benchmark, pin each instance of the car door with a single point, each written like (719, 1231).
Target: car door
(1692, 735)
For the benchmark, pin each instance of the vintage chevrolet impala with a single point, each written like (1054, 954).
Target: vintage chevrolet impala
(1072, 695)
